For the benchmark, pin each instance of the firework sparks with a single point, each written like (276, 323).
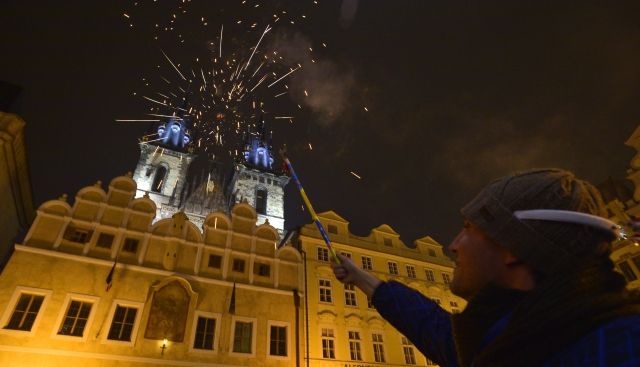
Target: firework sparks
(224, 102)
(174, 66)
(284, 76)
(256, 47)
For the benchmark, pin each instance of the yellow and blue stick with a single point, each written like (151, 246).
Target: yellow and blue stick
(307, 203)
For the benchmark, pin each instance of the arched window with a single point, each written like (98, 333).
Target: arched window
(261, 201)
(161, 172)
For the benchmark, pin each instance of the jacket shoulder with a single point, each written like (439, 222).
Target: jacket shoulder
(615, 343)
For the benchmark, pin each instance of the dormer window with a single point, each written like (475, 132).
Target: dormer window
(388, 242)
(332, 228)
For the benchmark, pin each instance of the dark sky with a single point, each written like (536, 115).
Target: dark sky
(458, 93)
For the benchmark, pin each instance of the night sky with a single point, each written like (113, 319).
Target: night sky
(458, 93)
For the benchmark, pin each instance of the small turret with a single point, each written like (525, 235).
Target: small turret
(257, 153)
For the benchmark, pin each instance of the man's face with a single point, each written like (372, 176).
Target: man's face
(479, 261)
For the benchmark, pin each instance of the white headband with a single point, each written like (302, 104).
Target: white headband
(573, 217)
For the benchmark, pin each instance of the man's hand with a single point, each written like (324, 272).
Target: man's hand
(349, 273)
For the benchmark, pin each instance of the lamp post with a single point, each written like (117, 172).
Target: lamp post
(164, 346)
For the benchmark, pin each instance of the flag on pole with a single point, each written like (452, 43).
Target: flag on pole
(109, 279)
(232, 302)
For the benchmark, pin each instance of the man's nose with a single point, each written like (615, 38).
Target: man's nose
(453, 246)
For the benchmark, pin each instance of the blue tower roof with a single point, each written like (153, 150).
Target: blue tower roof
(258, 149)
(174, 134)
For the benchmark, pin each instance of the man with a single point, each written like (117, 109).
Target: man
(532, 260)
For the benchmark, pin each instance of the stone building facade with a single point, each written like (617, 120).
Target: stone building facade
(164, 173)
(15, 185)
(264, 190)
(161, 174)
(99, 282)
(344, 329)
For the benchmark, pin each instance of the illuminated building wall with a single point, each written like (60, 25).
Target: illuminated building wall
(170, 280)
(162, 173)
(15, 186)
(257, 181)
(60, 306)
(264, 190)
(344, 329)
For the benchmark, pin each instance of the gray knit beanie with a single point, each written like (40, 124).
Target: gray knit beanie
(545, 245)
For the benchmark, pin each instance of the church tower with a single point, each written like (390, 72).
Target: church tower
(162, 167)
(256, 181)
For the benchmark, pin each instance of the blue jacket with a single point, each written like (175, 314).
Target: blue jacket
(428, 326)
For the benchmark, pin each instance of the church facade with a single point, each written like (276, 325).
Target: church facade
(164, 174)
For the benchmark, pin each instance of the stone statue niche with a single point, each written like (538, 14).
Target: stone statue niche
(168, 314)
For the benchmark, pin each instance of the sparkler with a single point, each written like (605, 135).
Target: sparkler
(307, 203)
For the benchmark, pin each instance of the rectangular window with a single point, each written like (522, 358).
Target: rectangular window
(105, 240)
(323, 254)
(261, 200)
(242, 337)
(328, 347)
(260, 269)
(278, 341)
(367, 263)
(411, 271)
(636, 262)
(25, 312)
(370, 303)
(446, 278)
(431, 252)
(205, 332)
(350, 295)
(409, 353)
(430, 275)
(354, 346)
(393, 268)
(388, 242)
(238, 265)
(215, 261)
(76, 318)
(122, 323)
(454, 307)
(130, 245)
(325, 290)
(436, 300)
(430, 362)
(332, 228)
(627, 271)
(378, 348)
(78, 235)
(346, 254)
